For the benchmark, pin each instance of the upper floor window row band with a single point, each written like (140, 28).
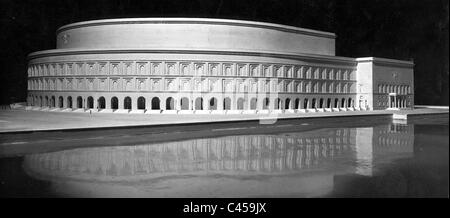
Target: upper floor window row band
(192, 69)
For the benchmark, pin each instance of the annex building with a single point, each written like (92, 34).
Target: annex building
(192, 65)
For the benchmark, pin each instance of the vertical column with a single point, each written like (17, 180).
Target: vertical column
(148, 103)
(220, 102)
(134, 103)
(233, 103)
(107, 103)
(120, 102)
(246, 105)
(162, 104)
(58, 102)
(272, 103)
(177, 104)
(258, 103)
(74, 102)
(205, 103)
(95, 102)
(395, 102)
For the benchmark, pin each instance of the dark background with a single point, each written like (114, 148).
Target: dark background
(399, 29)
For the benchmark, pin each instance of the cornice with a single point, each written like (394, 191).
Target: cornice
(293, 56)
(386, 62)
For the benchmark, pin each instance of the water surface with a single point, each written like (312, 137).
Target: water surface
(373, 159)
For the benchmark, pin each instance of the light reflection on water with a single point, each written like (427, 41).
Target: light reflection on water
(301, 164)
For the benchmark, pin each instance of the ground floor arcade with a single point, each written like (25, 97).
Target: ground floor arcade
(122, 101)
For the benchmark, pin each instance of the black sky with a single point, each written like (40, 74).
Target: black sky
(399, 29)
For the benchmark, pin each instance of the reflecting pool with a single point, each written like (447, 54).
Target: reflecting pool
(382, 160)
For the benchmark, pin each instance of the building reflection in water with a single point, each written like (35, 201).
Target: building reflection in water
(287, 159)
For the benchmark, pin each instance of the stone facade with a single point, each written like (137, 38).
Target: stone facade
(174, 65)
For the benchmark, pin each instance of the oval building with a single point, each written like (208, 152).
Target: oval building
(190, 65)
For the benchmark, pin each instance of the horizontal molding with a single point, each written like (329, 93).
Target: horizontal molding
(139, 76)
(189, 92)
(298, 57)
(386, 62)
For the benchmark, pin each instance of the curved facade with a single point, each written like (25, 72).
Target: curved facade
(187, 65)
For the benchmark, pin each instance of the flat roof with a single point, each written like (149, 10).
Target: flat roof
(212, 21)
(386, 61)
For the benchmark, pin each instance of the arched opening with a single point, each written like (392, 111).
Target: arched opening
(313, 103)
(297, 103)
(141, 103)
(60, 102)
(287, 104)
(253, 103)
(46, 101)
(170, 103)
(266, 103)
(350, 102)
(114, 103)
(69, 102)
(321, 103)
(336, 103)
(329, 103)
(53, 102)
(305, 103)
(90, 102)
(240, 104)
(79, 102)
(213, 104)
(101, 103)
(155, 103)
(227, 103)
(127, 103)
(343, 103)
(199, 103)
(41, 103)
(184, 103)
